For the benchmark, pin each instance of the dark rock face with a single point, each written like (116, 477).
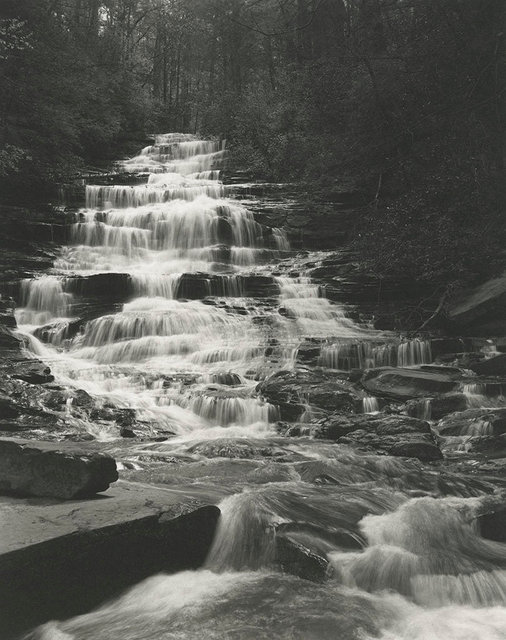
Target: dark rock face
(230, 448)
(474, 422)
(425, 451)
(395, 435)
(401, 384)
(299, 560)
(495, 366)
(116, 287)
(493, 524)
(41, 471)
(14, 363)
(439, 406)
(289, 390)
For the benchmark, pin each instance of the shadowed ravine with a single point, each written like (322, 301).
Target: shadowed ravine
(170, 318)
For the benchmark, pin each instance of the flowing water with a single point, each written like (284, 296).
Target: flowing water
(191, 320)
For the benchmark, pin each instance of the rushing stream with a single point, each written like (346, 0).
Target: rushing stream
(202, 302)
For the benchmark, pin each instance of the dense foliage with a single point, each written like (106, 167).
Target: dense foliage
(402, 100)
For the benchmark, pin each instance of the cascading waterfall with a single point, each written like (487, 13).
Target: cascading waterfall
(164, 305)
(367, 355)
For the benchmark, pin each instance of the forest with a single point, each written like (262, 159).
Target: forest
(401, 101)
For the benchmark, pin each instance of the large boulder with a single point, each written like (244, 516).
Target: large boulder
(438, 407)
(43, 470)
(403, 384)
(292, 391)
(395, 435)
(495, 366)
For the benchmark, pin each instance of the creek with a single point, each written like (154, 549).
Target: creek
(168, 316)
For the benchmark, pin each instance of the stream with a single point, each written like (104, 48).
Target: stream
(169, 318)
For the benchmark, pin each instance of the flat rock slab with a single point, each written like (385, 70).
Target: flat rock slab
(410, 383)
(33, 469)
(59, 559)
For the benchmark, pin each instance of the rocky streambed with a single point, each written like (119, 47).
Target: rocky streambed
(218, 345)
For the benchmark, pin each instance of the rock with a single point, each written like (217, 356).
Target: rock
(396, 435)
(474, 422)
(325, 390)
(124, 432)
(438, 407)
(335, 427)
(61, 559)
(43, 470)
(233, 448)
(299, 560)
(116, 287)
(493, 524)
(402, 384)
(308, 353)
(425, 451)
(495, 366)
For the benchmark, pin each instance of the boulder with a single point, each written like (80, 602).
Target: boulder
(439, 406)
(291, 391)
(395, 435)
(116, 287)
(474, 422)
(401, 384)
(493, 524)
(335, 427)
(234, 448)
(425, 451)
(495, 366)
(43, 470)
(299, 560)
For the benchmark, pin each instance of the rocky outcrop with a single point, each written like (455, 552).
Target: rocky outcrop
(17, 364)
(400, 384)
(61, 559)
(44, 470)
(395, 435)
(495, 366)
(292, 391)
(438, 407)
(474, 422)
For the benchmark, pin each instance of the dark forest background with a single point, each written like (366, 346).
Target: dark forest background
(402, 101)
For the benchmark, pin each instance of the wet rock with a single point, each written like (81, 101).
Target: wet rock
(493, 524)
(425, 451)
(396, 435)
(495, 366)
(60, 559)
(231, 448)
(489, 447)
(256, 286)
(325, 390)
(438, 407)
(116, 287)
(402, 384)
(474, 422)
(299, 560)
(441, 346)
(126, 433)
(308, 353)
(43, 470)
(336, 427)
